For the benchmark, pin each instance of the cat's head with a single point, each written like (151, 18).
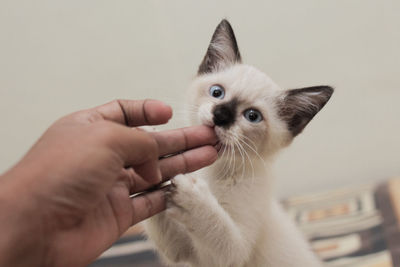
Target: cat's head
(249, 111)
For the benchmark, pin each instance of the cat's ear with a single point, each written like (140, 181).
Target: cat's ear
(298, 106)
(223, 50)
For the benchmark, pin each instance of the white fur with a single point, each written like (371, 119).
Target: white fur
(226, 215)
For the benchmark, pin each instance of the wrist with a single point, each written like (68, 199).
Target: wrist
(21, 241)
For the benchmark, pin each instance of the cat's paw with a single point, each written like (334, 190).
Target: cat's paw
(185, 195)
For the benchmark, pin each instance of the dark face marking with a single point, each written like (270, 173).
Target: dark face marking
(299, 106)
(225, 114)
(223, 50)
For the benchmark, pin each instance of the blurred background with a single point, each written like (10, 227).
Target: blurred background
(57, 57)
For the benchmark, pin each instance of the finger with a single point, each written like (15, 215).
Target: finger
(147, 205)
(135, 112)
(134, 182)
(150, 171)
(188, 161)
(142, 155)
(136, 149)
(173, 141)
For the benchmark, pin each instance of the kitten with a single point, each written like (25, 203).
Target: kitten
(225, 215)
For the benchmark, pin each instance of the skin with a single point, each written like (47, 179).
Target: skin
(68, 200)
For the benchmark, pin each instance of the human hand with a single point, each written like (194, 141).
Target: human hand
(68, 199)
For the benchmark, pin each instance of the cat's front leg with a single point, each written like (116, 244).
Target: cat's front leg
(170, 238)
(217, 240)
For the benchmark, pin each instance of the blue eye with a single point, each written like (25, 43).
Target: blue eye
(253, 115)
(217, 91)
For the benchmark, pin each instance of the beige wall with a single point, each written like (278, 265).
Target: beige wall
(60, 56)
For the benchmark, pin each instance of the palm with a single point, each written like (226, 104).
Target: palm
(97, 230)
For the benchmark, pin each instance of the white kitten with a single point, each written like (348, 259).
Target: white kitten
(225, 215)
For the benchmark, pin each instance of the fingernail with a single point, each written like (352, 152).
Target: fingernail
(159, 177)
(170, 109)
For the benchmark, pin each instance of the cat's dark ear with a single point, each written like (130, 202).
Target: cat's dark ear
(223, 50)
(298, 106)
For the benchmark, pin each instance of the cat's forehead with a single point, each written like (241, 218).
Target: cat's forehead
(244, 81)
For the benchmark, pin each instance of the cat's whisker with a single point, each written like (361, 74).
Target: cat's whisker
(242, 156)
(248, 139)
(234, 152)
(243, 142)
(231, 158)
(230, 161)
(239, 149)
(224, 164)
(234, 159)
(254, 151)
(248, 157)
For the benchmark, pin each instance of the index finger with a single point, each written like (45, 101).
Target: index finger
(178, 140)
(135, 112)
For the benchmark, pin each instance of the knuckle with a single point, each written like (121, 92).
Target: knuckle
(185, 138)
(128, 176)
(119, 103)
(105, 130)
(151, 144)
(185, 164)
(116, 102)
(132, 179)
(149, 205)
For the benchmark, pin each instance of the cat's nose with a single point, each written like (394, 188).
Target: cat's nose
(224, 115)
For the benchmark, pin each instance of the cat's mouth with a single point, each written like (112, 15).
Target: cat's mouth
(221, 135)
(218, 146)
(223, 140)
